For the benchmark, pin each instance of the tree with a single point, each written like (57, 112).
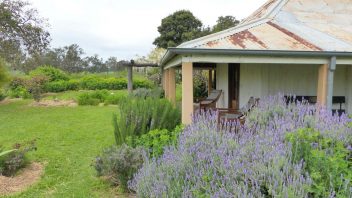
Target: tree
(3, 73)
(22, 30)
(177, 28)
(225, 22)
(113, 64)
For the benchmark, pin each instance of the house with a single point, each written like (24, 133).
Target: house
(301, 47)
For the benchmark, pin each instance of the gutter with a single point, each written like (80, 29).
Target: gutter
(171, 52)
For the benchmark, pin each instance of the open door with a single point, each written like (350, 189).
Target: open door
(234, 85)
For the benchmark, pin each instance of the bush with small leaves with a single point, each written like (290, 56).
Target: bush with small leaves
(119, 164)
(156, 140)
(13, 160)
(35, 86)
(52, 73)
(139, 116)
(93, 98)
(144, 93)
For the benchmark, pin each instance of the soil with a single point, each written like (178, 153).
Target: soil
(55, 103)
(9, 100)
(24, 179)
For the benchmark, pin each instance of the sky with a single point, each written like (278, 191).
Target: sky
(126, 28)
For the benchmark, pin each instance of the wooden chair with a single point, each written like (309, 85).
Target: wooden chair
(234, 115)
(210, 101)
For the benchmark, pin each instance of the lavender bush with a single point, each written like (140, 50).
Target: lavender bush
(252, 160)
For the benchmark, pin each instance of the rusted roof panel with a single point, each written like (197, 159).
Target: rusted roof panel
(294, 25)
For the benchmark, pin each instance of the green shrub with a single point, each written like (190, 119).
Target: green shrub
(114, 99)
(156, 140)
(93, 82)
(138, 116)
(2, 95)
(4, 77)
(119, 164)
(144, 93)
(61, 85)
(19, 92)
(93, 98)
(52, 73)
(328, 161)
(13, 160)
(142, 83)
(17, 82)
(35, 86)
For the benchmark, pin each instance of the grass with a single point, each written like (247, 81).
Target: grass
(73, 95)
(68, 139)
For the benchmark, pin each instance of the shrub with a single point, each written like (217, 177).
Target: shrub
(93, 98)
(17, 82)
(137, 117)
(328, 161)
(2, 95)
(142, 83)
(250, 160)
(156, 140)
(60, 86)
(52, 73)
(19, 92)
(144, 93)
(93, 82)
(4, 77)
(114, 99)
(35, 86)
(13, 160)
(119, 164)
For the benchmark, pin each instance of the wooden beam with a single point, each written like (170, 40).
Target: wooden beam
(187, 92)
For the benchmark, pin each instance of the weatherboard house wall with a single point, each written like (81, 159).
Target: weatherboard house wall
(301, 47)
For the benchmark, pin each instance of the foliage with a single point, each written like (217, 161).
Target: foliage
(52, 73)
(177, 28)
(19, 92)
(200, 87)
(156, 140)
(2, 95)
(35, 86)
(60, 86)
(137, 116)
(92, 82)
(328, 162)
(13, 160)
(144, 93)
(93, 98)
(119, 164)
(21, 29)
(3, 73)
(115, 99)
(250, 160)
(225, 22)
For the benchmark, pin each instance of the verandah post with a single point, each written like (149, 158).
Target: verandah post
(187, 92)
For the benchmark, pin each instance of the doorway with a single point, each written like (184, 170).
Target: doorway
(234, 85)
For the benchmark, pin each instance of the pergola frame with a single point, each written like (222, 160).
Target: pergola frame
(129, 66)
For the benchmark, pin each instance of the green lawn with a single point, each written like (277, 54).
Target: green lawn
(68, 139)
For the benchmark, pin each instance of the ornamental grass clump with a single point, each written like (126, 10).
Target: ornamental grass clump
(255, 160)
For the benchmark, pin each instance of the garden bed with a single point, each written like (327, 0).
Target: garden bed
(24, 179)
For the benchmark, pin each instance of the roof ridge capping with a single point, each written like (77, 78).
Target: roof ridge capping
(274, 7)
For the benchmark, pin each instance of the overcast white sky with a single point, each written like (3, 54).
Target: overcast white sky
(124, 28)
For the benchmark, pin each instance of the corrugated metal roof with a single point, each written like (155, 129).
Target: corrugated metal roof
(294, 25)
